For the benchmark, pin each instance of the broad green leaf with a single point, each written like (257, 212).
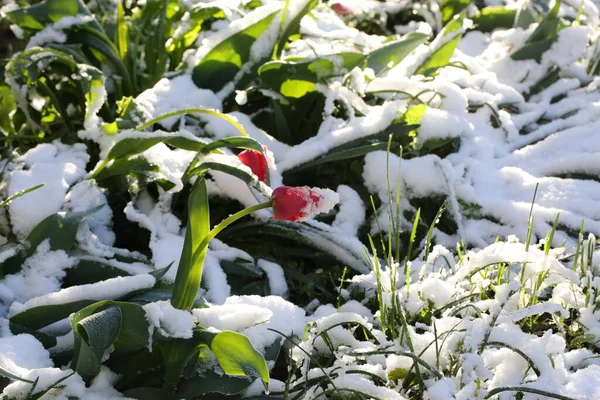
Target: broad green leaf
(441, 56)
(308, 235)
(37, 17)
(238, 357)
(285, 77)
(211, 382)
(344, 154)
(39, 317)
(542, 38)
(102, 325)
(188, 277)
(131, 146)
(177, 353)
(224, 61)
(494, 17)
(394, 52)
(88, 271)
(399, 131)
(46, 340)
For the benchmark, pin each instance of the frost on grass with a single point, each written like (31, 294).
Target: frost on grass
(474, 325)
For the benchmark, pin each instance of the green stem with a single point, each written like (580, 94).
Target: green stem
(184, 294)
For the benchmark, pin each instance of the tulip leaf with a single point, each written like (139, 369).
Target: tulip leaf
(394, 52)
(542, 38)
(249, 178)
(189, 271)
(441, 56)
(223, 62)
(238, 357)
(211, 382)
(494, 17)
(295, 78)
(102, 326)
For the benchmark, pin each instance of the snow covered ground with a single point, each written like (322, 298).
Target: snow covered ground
(512, 143)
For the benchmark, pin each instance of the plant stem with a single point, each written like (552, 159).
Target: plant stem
(188, 279)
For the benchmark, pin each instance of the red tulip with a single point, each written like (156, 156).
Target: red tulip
(299, 203)
(256, 162)
(341, 9)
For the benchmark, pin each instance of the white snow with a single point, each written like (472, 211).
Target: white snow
(55, 165)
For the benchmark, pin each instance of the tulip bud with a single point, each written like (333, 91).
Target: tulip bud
(256, 162)
(292, 203)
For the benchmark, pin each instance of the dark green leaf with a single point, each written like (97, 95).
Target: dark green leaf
(46, 340)
(88, 271)
(221, 64)
(38, 317)
(542, 38)
(211, 382)
(394, 52)
(294, 79)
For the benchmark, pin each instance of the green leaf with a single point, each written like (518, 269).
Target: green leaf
(122, 38)
(61, 231)
(542, 38)
(441, 56)
(450, 8)
(35, 69)
(293, 26)
(88, 271)
(285, 77)
(526, 15)
(238, 357)
(7, 107)
(221, 64)
(102, 325)
(46, 340)
(38, 16)
(211, 382)
(39, 317)
(189, 274)
(494, 17)
(394, 52)
(399, 131)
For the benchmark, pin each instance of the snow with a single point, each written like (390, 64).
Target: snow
(169, 321)
(41, 274)
(277, 283)
(109, 289)
(55, 165)
(175, 94)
